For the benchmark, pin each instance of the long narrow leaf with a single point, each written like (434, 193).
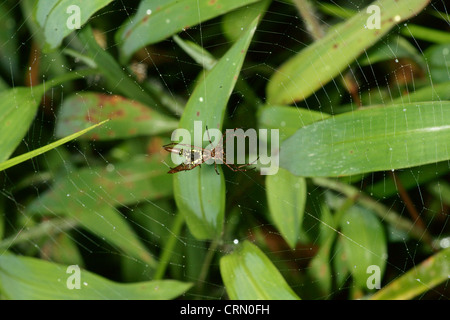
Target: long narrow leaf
(200, 193)
(25, 278)
(371, 139)
(24, 157)
(320, 62)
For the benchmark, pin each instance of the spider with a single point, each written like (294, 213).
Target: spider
(195, 156)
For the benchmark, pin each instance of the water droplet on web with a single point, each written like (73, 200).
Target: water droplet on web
(149, 12)
(85, 283)
(235, 241)
(397, 18)
(200, 99)
(396, 60)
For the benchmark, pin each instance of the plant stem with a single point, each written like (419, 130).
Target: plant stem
(309, 15)
(169, 247)
(207, 262)
(409, 204)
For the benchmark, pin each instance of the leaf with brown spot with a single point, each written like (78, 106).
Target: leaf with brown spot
(128, 118)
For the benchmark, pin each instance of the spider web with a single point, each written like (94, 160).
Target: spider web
(281, 32)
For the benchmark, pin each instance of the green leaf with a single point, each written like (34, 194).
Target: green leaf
(438, 91)
(197, 53)
(91, 195)
(26, 156)
(421, 278)
(441, 190)
(62, 248)
(18, 108)
(249, 275)
(320, 266)
(364, 243)
(234, 23)
(25, 278)
(56, 17)
(371, 139)
(286, 195)
(427, 34)
(9, 59)
(158, 20)
(128, 118)
(287, 119)
(200, 193)
(438, 59)
(320, 62)
(392, 48)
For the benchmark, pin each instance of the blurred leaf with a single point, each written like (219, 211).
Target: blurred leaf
(44, 229)
(26, 156)
(427, 34)
(340, 263)
(2, 218)
(364, 243)
(320, 62)
(19, 107)
(441, 190)
(158, 20)
(90, 195)
(25, 278)
(286, 195)
(234, 22)
(56, 17)
(112, 185)
(249, 275)
(410, 178)
(421, 278)
(128, 118)
(370, 139)
(199, 54)
(62, 249)
(336, 10)
(391, 49)
(287, 119)
(435, 92)
(438, 59)
(9, 59)
(200, 193)
(320, 266)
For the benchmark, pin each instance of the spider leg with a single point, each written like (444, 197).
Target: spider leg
(215, 168)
